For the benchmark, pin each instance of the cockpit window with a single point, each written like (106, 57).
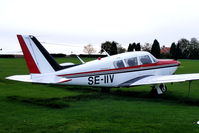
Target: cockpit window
(145, 59)
(118, 64)
(131, 61)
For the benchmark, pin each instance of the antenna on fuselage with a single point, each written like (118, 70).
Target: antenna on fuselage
(80, 59)
(106, 52)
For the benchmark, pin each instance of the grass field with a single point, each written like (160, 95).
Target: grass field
(36, 108)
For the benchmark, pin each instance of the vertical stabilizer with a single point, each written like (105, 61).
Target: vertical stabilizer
(37, 57)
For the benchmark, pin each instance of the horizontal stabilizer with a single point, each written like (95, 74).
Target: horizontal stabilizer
(23, 78)
(46, 79)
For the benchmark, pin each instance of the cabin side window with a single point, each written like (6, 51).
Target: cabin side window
(131, 61)
(118, 64)
(145, 59)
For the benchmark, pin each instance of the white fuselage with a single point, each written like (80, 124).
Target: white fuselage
(115, 70)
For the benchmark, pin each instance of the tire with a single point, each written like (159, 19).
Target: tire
(163, 88)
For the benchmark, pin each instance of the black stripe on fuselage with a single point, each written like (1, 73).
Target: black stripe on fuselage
(120, 71)
(48, 57)
(131, 81)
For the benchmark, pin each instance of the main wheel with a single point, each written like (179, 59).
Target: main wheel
(163, 88)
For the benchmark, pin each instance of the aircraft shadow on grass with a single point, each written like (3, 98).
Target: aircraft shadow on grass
(89, 93)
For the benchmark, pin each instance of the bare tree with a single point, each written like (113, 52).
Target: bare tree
(89, 49)
(120, 49)
(147, 47)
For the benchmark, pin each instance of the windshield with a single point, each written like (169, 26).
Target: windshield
(154, 59)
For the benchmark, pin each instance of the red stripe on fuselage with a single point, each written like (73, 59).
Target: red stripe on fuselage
(159, 63)
(29, 60)
(67, 80)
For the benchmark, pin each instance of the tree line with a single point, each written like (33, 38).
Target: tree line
(183, 49)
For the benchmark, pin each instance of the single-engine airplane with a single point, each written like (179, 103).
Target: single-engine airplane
(122, 70)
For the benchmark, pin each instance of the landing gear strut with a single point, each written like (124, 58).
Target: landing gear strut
(158, 89)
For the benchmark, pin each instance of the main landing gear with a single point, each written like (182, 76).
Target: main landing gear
(158, 89)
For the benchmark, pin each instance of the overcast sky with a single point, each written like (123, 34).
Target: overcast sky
(82, 22)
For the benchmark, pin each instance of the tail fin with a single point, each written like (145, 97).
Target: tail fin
(37, 57)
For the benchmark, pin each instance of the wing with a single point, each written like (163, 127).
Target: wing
(150, 79)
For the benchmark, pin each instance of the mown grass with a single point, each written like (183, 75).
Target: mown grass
(37, 108)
